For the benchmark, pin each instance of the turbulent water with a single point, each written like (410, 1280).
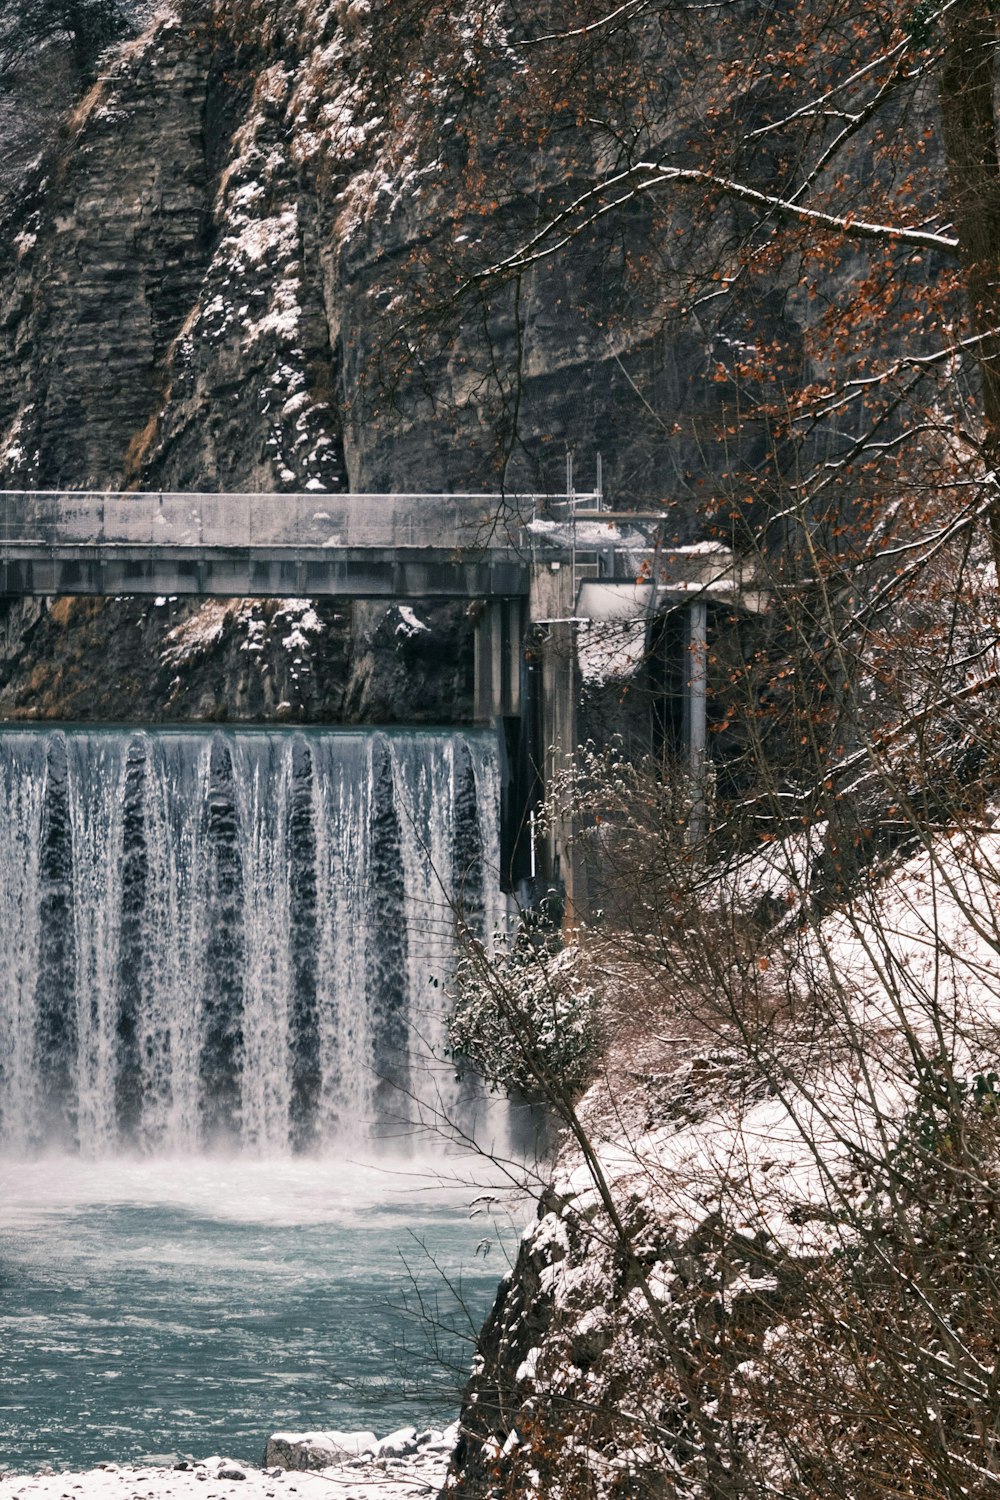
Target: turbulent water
(234, 936)
(153, 1309)
(223, 958)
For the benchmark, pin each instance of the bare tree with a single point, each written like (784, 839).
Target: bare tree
(85, 27)
(768, 1260)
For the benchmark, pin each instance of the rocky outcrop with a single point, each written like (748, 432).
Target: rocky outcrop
(306, 1451)
(181, 660)
(356, 1464)
(316, 1450)
(612, 1345)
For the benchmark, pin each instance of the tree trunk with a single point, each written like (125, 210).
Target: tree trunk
(969, 127)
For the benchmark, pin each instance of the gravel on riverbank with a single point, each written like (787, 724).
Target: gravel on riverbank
(415, 1477)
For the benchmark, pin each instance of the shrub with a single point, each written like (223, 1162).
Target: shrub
(522, 1016)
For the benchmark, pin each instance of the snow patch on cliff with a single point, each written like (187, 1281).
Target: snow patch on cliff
(201, 632)
(410, 623)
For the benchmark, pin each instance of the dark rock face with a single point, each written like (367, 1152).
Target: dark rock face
(253, 400)
(195, 291)
(180, 660)
(48, 54)
(100, 268)
(520, 1321)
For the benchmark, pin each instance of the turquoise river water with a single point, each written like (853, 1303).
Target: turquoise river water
(167, 1308)
(224, 963)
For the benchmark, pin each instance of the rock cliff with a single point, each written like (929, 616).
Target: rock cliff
(183, 660)
(195, 289)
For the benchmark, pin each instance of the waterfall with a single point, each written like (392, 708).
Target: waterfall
(235, 937)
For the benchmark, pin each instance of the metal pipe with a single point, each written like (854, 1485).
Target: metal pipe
(697, 719)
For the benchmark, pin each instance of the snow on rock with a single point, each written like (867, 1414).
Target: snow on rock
(317, 1450)
(304, 622)
(200, 632)
(398, 1444)
(410, 623)
(294, 625)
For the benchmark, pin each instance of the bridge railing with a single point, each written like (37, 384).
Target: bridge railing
(74, 518)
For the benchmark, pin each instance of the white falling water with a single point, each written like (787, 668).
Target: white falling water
(210, 938)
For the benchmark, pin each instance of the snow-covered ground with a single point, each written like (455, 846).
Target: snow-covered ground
(772, 1133)
(370, 1476)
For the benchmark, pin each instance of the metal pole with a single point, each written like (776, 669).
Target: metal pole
(697, 718)
(571, 505)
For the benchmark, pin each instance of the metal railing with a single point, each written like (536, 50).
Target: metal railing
(75, 518)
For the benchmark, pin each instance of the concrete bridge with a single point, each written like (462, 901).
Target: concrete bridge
(542, 571)
(354, 546)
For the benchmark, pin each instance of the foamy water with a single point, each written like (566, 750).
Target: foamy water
(169, 1308)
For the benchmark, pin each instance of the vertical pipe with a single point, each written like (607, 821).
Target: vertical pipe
(696, 716)
(486, 663)
(503, 706)
(495, 611)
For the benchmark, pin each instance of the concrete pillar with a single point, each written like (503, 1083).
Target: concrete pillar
(500, 630)
(695, 715)
(552, 607)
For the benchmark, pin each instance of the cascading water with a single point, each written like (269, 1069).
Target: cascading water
(208, 937)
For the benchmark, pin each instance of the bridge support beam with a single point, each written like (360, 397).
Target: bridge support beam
(500, 631)
(695, 717)
(553, 606)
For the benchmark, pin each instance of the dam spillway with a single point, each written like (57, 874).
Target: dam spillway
(234, 938)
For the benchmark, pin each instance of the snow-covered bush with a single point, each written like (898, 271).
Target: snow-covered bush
(524, 1018)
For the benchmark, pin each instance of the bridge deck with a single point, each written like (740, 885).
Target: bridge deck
(358, 546)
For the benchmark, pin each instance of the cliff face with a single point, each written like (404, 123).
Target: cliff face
(106, 256)
(195, 289)
(198, 289)
(182, 660)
